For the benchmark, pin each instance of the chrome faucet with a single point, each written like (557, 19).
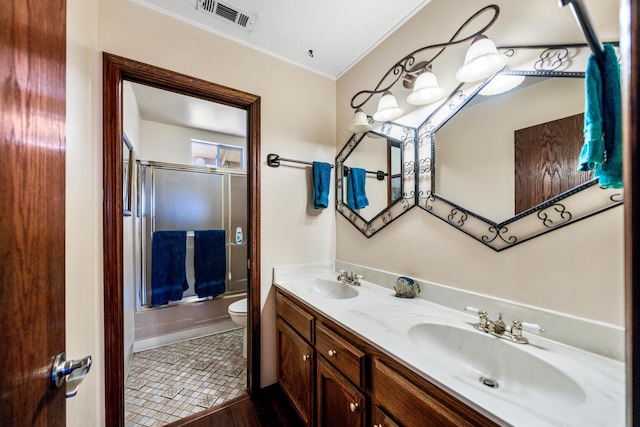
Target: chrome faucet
(498, 328)
(349, 278)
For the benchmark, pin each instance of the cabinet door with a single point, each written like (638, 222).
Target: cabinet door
(380, 419)
(295, 366)
(340, 403)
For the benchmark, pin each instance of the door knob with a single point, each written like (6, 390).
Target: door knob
(353, 407)
(331, 353)
(71, 371)
(305, 357)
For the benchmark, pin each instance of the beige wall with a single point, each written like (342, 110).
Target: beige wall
(130, 244)
(576, 270)
(84, 290)
(298, 121)
(162, 142)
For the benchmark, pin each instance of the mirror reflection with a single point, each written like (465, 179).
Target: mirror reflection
(505, 153)
(376, 177)
(372, 175)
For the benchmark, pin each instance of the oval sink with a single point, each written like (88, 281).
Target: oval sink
(499, 365)
(330, 289)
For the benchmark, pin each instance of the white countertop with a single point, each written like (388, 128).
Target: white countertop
(383, 320)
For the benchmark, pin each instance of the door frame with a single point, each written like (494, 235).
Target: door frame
(630, 34)
(116, 69)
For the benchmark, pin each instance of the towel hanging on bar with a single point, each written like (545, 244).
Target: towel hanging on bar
(168, 271)
(379, 174)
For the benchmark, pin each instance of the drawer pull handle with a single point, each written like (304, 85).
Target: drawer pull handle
(353, 407)
(332, 353)
(305, 357)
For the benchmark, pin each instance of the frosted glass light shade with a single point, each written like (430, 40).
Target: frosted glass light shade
(426, 90)
(481, 61)
(387, 108)
(360, 123)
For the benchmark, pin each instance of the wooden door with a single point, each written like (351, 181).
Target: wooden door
(340, 403)
(32, 174)
(295, 361)
(546, 161)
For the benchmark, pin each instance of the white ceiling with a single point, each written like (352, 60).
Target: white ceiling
(339, 32)
(162, 106)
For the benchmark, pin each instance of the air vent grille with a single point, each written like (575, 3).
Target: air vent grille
(227, 12)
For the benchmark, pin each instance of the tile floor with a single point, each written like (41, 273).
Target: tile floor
(169, 383)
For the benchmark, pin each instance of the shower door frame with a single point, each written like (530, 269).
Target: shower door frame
(116, 69)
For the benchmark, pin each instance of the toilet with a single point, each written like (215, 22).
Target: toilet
(238, 313)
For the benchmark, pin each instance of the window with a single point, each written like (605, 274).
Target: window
(217, 155)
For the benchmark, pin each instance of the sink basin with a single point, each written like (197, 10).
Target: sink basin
(501, 366)
(329, 289)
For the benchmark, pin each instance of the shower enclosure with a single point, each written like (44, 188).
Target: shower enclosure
(183, 197)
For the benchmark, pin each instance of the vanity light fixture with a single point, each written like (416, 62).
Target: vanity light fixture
(481, 61)
(426, 89)
(387, 108)
(360, 123)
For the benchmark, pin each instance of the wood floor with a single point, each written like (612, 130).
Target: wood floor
(270, 408)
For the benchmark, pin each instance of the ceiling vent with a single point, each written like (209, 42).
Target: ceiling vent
(228, 12)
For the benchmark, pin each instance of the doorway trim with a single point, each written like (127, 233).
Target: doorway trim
(115, 70)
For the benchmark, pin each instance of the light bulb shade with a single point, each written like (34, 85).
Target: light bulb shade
(481, 61)
(426, 90)
(501, 83)
(387, 108)
(360, 123)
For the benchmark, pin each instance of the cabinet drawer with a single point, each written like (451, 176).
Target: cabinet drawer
(413, 406)
(301, 321)
(344, 356)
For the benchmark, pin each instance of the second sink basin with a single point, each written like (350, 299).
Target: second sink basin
(503, 367)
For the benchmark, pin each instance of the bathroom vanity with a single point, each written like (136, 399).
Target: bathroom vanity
(357, 356)
(333, 377)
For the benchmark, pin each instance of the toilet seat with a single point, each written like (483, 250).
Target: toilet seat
(239, 307)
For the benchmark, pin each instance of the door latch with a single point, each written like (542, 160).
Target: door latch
(70, 371)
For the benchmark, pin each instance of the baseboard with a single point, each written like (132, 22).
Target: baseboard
(188, 334)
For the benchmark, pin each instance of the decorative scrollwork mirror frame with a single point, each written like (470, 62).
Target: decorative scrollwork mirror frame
(578, 203)
(406, 136)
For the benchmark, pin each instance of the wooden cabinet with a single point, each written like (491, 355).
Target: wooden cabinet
(381, 419)
(334, 378)
(410, 404)
(340, 403)
(295, 370)
(347, 358)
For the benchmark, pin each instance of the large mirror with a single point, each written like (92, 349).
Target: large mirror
(500, 164)
(375, 177)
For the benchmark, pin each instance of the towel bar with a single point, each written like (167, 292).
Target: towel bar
(379, 174)
(274, 160)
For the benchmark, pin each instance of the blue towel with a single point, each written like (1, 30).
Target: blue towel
(321, 182)
(168, 271)
(210, 262)
(602, 149)
(356, 196)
